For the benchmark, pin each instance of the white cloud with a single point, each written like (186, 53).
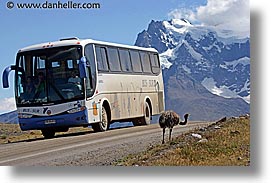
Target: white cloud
(7, 104)
(223, 14)
(183, 13)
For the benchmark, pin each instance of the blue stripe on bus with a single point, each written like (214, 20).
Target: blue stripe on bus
(58, 121)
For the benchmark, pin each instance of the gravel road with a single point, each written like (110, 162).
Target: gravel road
(89, 149)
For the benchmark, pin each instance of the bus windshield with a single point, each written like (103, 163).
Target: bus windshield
(48, 76)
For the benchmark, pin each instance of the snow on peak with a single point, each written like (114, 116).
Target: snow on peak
(165, 64)
(181, 26)
(177, 25)
(165, 57)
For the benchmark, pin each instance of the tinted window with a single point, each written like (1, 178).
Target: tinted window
(146, 66)
(101, 59)
(155, 63)
(44, 76)
(113, 59)
(125, 61)
(135, 61)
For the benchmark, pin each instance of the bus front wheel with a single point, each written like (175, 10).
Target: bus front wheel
(104, 124)
(47, 133)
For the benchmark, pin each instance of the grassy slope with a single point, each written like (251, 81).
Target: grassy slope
(227, 144)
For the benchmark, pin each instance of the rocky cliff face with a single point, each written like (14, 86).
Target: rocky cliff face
(206, 72)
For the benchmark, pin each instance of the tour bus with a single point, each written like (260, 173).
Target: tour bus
(83, 82)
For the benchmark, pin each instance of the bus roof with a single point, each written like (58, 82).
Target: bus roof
(76, 41)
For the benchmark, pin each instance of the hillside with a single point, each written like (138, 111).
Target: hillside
(224, 143)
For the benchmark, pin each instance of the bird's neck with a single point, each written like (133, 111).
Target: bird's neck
(185, 121)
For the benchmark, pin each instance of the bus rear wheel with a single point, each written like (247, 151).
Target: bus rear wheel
(47, 133)
(104, 124)
(146, 119)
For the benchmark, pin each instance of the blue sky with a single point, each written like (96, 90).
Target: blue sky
(116, 21)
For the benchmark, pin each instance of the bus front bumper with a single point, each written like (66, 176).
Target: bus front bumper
(54, 122)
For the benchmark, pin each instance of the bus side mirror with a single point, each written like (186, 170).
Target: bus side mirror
(5, 76)
(82, 67)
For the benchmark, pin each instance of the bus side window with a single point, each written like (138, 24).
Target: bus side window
(146, 66)
(135, 61)
(125, 61)
(113, 59)
(104, 58)
(155, 63)
(101, 58)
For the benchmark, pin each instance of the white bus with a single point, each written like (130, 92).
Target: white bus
(73, 82)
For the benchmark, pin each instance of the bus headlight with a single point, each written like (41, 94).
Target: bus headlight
(78, 109)
(20, 115)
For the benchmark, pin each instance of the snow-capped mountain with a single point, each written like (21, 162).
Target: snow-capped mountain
(209, 58)
(217, 60)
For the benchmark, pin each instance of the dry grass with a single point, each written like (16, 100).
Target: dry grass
(227, 144)
(10, 133)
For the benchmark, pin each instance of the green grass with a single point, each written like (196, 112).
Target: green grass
(3, 137)
(228, 145)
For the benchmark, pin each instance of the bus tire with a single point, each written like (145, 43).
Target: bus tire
(137, 122)
(104, 124)
(146, 119)
(48, 133)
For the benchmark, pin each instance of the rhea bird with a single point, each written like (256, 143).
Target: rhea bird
(169, 119)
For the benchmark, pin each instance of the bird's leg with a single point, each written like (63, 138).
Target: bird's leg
(170, 133)
(163, 132)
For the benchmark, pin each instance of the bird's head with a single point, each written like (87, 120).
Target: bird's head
(186, 116)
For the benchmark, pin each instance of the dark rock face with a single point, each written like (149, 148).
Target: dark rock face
(153, 37)
(199, 55)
